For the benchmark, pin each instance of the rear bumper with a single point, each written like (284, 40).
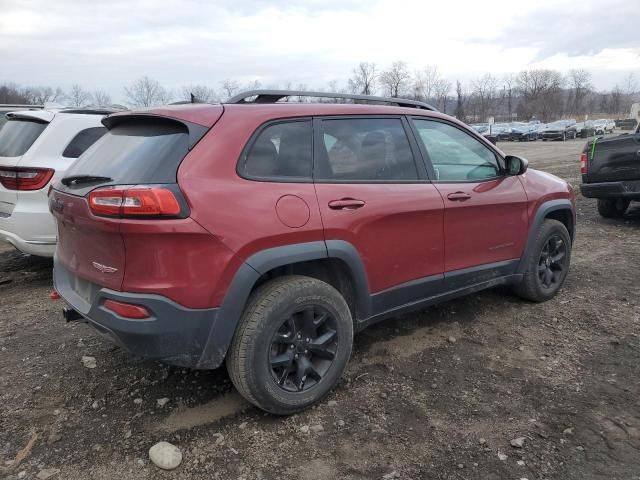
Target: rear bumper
(30, 226)
(174, 334)
(626, 189)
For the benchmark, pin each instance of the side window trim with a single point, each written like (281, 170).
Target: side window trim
(427, 160)
(254, 137)
(319, 151)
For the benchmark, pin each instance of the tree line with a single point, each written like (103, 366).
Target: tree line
(536, 93)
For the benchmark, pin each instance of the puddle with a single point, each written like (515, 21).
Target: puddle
(184, 418)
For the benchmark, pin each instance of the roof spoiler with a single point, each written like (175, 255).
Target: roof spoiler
(196, 132)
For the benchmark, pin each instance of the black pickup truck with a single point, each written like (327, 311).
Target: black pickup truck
(610, 170)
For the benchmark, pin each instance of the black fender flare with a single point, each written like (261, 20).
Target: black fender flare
(543, 210)
(228, 315)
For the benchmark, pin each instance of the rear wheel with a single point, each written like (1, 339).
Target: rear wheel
(547, 263)
(612, 207)
(292, 344)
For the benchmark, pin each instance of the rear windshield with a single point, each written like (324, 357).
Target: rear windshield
(16, 136)
(136, 151)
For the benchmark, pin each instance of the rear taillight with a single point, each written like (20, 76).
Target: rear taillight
(584, 161)
(134, 202)
(127, 310)
(25, 179)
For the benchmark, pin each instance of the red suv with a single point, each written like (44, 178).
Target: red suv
(266, 233)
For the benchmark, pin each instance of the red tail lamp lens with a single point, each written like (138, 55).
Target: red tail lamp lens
(134, 202)
(127, 310)
(25, 179)
(583, 163)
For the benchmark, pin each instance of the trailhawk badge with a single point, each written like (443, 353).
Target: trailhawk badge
(103, 268)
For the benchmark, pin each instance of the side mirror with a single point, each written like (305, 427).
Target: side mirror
(516, 165)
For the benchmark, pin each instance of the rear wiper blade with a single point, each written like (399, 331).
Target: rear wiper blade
(77, 179)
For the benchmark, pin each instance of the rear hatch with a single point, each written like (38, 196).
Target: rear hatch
(138, 151)
(613, 159)
(17, 135)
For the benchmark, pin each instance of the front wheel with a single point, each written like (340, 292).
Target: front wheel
(547, 263)
(612, 207)
(292, 344)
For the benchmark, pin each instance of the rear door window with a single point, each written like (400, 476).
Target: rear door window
(136, 151)
(365, 150)
(17, 136)
(83, 140)
(281, 150)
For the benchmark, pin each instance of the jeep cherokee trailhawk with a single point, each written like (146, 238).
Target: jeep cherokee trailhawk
(266, 233)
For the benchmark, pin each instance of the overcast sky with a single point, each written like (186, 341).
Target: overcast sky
(106, 44)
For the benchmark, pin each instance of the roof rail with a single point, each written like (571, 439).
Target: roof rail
(272, 96)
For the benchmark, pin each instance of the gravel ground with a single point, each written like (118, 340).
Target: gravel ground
(440, 394)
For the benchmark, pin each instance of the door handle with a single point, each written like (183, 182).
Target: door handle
(346, 204)
(458, 196)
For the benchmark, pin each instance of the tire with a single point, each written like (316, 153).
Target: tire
(612, 207)
(546, 268)
(277, 369)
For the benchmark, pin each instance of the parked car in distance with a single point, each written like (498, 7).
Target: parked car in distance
(502, 131)
(585, 129)
(524, 132)
(264, 234)
(610, 169)
(36, 148)
(559, 130)
(603, 126)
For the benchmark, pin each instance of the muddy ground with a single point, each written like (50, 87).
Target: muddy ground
(435, 395)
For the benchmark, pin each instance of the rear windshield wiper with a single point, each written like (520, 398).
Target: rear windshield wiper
(77, 179)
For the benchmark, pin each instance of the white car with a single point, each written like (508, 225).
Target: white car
(36, 148)
(604, 126)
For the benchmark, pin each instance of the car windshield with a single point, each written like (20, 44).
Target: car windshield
(17, 136)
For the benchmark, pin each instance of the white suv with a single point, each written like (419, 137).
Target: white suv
(36, 147)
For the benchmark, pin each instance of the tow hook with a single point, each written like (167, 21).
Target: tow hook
(70, 315)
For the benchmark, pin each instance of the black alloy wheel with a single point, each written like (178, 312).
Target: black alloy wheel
(551, 264)
(303, 348)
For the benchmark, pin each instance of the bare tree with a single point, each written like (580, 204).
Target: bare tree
(12, 93)
(363, 79)
(101, 98)
(541, 93)
(253, 85)
(201, 93)
(425, 81)
(484, 95)
(580, 86)
(509, 92)
(147, 92)
(229, 87)
(42, 95)
(78, 96)
(629, 91)
(459, 112)
(441, 90)
(395, 81)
